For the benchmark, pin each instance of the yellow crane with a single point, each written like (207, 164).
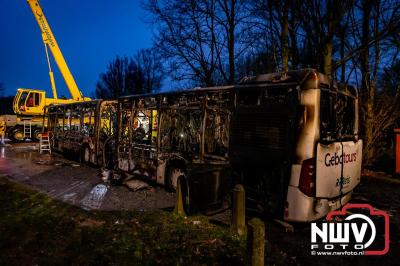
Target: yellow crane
(29, 104)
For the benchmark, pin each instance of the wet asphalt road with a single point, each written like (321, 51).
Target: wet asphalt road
(74, 183)
(81, 185)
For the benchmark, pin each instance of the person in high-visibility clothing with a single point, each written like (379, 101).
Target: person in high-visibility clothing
(2, 130)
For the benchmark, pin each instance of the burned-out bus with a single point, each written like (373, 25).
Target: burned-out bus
(290, 138)
(86, 129)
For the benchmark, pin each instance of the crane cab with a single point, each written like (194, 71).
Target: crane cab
(29, 102)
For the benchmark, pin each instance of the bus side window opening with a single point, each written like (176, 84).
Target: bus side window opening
(327, 114)
(337, 116)
(249, 97)
(217, 133)
(345, 115)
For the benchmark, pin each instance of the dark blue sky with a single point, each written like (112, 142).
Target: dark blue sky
(90, 34)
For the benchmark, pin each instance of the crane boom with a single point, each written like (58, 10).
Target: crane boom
(29, 104)
(50, 42)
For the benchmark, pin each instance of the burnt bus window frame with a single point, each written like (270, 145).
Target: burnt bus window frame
(88, 111)
(218, 111)
(76, 126)
(337, 115)
(107, 113)
(174, 135)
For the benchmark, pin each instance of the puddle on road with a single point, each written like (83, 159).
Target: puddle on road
(69, 188)
(54, 161)
(50, 159)
(94, 199)
(9, 150)
(20, 177)
(71, 197)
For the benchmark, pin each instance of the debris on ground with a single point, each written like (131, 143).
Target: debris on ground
(105, 174)
(116, 179)
(136, 185)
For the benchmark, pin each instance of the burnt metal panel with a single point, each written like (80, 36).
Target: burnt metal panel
(263, 133)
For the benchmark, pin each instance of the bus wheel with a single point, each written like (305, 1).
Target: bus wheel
(37, 134)
(172, 178)
(17, 135)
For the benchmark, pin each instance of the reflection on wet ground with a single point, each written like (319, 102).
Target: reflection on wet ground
(74, 183)
(2, 152)
(95, 198)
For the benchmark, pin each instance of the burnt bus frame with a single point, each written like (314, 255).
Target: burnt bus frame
(92, 141)
(203, 164)
(199, 172)
(229, 162)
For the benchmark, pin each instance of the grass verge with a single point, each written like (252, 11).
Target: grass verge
(38, 230)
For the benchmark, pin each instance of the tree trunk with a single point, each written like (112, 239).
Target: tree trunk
(294, 49)
(368, 91)
(327, 59)
(284, 35)
(342, 55)
(231, 45)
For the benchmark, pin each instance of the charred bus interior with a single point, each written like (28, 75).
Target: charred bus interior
(184, 135)
(338, 114)
(84, 128)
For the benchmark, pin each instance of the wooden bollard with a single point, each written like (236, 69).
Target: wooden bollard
(238, 211)
(179, 210)
(255, 242)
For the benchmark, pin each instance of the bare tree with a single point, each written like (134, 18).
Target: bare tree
(122, 77)
(320, 22)
(200, 40)
(301, 33)
(141, 74)
(152, 69)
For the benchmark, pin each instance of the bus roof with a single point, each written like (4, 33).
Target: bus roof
(296, 77)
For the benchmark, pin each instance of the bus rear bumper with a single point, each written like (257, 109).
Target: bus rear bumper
(301, 208)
